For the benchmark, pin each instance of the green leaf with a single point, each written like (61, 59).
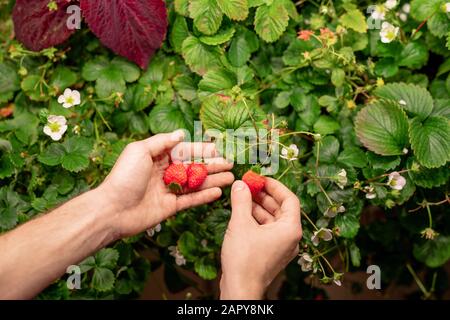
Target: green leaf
(206, 268)
(219, 38)
(338, 77)
(107, 258)
(423, 9)
(439, 24)
(217, 222)
(109, 82)
(188, 244)
(9, 80)
(53, 155)
(428, 178)
(441, 108)
(64, 182)
(383, 162)
(206, 14)
(103, 279)
(63, 78)
(282, 100)
(24, 125)
(185, 86)
(328, 149)
(234, 9)
(8, 218)
(353, 156)
(354, 19)
(382, 128)
(348, 225)
(223, 114)
(77, 151)
(443, 68)
(430, 141)
(167, 118)
(271, 21)
(35, 88)
(92, 69)
(414, 99)
(182, 7)
(326, 125)
(180, 31)
(434, 253)
(414, 55)
(240, 51)
(200, 57)
(217, 81)
(73, 154)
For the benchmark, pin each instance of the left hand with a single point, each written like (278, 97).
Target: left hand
(135, 187)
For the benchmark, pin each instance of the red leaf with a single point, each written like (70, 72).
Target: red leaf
(38, 27)
(132, 28)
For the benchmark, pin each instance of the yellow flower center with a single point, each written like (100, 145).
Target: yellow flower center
(70, 100)
(54, 127)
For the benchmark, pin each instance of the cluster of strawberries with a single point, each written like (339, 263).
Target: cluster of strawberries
(177, 177)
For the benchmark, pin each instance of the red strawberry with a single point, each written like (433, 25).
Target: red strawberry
(254, 181)
(197, 174)
(175, 177)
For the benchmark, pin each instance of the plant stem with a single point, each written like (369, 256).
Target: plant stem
(418, 281)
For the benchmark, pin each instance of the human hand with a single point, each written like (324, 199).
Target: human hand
(135, 187)
(261, 239)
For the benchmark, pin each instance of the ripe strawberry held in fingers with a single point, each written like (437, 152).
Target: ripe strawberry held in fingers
(197, 174)
(175, 176)
(254, 181)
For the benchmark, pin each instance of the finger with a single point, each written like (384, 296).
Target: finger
(218, 180)
(267, 202)
(277, 190)
(198, 198)
(241, 204)
(164, 141)
(186, 151)
(262, 215)
(215, 165)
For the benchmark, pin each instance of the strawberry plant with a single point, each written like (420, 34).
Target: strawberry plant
(353, 99)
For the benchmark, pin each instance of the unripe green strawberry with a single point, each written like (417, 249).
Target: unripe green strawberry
(254, 181)
(197, 174)
(175, 177)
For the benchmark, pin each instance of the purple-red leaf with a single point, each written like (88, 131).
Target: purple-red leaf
(131, 28)
(37, 26)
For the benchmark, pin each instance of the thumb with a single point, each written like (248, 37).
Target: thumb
(241, 203)
(162, 142)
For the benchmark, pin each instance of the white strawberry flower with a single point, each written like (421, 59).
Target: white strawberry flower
(305, 262)
(379, 12)
(70, 98)
(390, 4)
(323, 233)
(290, 153)
(332, 211)
(56, 127)
(341, 178)
(396, 181)
(388, 32)
(337, 282)
(370, 192)
(402, 102)
(152, 231)
(403, 16)
(179, 258)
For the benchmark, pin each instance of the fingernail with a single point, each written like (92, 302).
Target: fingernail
(178, 135)
(238, 185)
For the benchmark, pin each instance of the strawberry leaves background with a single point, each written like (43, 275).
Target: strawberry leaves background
(353, 102)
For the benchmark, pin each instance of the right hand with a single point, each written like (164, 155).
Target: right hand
(261, 239)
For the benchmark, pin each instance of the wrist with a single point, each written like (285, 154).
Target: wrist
(106, 213)
(233, 289)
